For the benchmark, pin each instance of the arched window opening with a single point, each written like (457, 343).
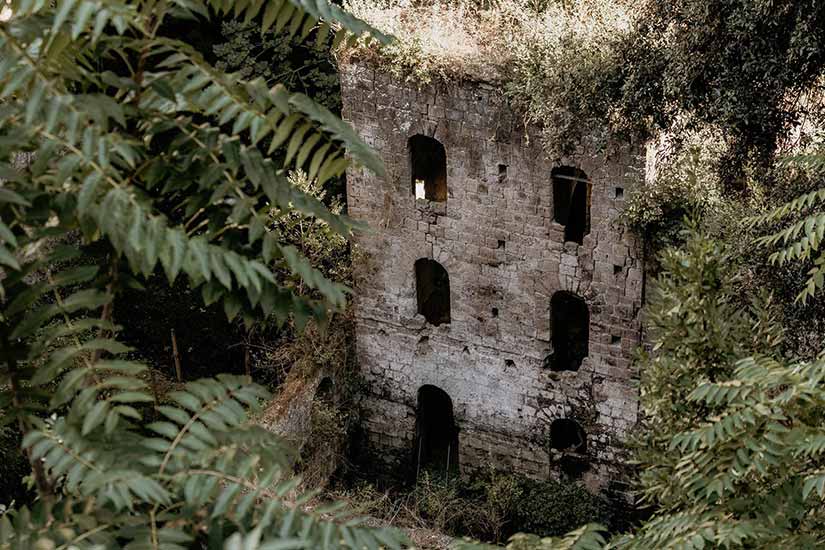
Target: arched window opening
(571, 202)
(428, 166)
(432, 285)
(570, 325)
(567, 435)
(436, 435)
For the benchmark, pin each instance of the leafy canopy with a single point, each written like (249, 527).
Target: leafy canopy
(732, 447)
(800, 239)
(115, 135)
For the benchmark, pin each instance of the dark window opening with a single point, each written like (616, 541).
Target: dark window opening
(502, 172)
(570, 325)
(615, 339)
(509, 363)
(567, 435)
(436, 434)
(428, 165)
(495, 312)
(571, 202)
(501, 244)
(617, 269)
(432, 285)
(619, 193)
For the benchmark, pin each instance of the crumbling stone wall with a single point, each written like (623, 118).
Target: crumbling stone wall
(505, 257)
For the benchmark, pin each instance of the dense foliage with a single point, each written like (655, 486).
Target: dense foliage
(733, 432)
(117, 139)
(746, 67)
(298, 64)
(494, 506)
(749, 72)
(800, 240)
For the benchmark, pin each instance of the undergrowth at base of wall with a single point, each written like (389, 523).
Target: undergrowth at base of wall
(490, 506)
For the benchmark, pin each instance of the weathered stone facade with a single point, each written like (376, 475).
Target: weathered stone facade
(506, 258)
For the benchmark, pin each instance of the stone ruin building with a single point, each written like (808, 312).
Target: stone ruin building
(497, 298)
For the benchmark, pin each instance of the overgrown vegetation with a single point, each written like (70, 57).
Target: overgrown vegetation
(733, 435)
(127, 153)
(605, 70)
(151, 170)
(491, 506)
(298, 64)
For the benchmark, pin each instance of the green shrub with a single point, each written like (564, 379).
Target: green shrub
(439, 502)
(494, 506)
(138, 146)
(732, 437)
(685, 184)
(550, 508)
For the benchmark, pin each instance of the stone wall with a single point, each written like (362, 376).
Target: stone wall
(506, 257)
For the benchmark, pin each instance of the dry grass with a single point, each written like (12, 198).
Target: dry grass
(399, 510)
(459, 39)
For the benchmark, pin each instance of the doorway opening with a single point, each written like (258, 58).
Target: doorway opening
(436, 434)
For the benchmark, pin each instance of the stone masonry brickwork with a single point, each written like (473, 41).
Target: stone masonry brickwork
(496, 237)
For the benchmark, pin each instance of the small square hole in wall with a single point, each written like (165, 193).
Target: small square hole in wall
(615, 339)
(502, 172)
(495, 312)
(501, 244)
(509, 363)
(620, 192)
(617, 269)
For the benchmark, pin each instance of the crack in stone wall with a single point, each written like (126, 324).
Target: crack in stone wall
(505, 257)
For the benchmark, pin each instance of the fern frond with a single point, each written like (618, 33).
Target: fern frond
(155, 157)
(315, 138)
(300, 15)
(204, 407)
(90, 467)
(72, 524)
